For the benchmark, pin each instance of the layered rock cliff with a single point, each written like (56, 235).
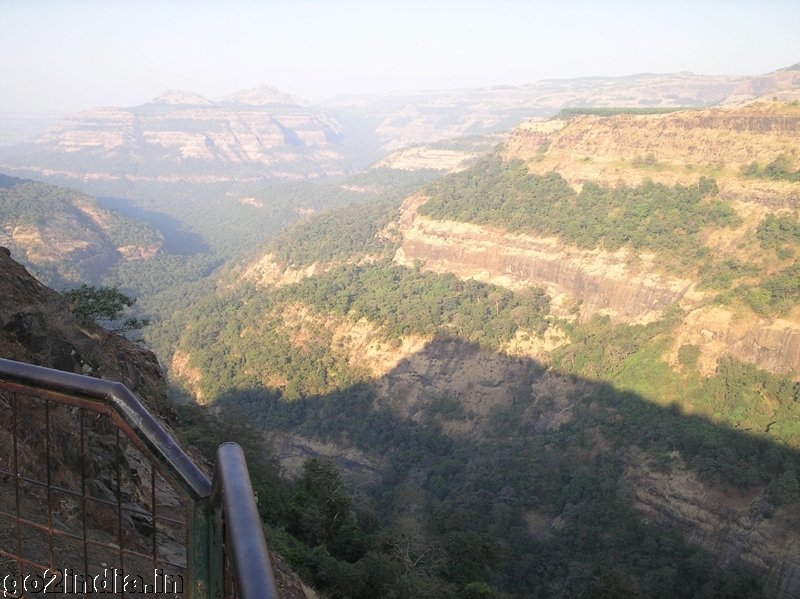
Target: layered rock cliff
(669, 148)
(604, 282)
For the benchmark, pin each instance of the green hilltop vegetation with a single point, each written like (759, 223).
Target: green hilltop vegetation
(777, 170)
(31, 203)
(357, 232)
(573, 111)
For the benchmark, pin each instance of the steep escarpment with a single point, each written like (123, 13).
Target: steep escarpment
(594, 264)
(734, 525)
(622, 285)
(604, 282)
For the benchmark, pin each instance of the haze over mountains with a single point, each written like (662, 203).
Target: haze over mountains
(264, 134)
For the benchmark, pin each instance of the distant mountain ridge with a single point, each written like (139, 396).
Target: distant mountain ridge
(420, 117)
(265, 134)
(182, 136)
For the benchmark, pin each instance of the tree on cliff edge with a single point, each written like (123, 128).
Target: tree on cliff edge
(103, 305)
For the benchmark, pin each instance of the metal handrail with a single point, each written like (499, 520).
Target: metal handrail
(230, 498)
(232, 492)
(120, 405)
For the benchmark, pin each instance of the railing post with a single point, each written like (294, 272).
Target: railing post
(216, 561)
(203, 553)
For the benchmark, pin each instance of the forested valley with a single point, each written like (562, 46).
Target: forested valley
(468, 435)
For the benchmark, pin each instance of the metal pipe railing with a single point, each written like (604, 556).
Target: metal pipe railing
(116, 401)
(222, 523)
(232, 492)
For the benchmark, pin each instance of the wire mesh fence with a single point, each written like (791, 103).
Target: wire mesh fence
(95, 497)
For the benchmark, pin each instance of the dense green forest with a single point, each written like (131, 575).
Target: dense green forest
(651, 217)
(196, 228)
(204, 226)
(338, 235)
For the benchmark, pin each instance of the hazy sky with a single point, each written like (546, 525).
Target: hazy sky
(70, 55)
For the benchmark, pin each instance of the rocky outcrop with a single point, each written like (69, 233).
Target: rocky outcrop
(266, 271)
(783, 85)
(36, 327)
(772, 344)
(422, 157)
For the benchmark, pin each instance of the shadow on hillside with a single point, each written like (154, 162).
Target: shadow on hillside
(176, 240)
(571, 475)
